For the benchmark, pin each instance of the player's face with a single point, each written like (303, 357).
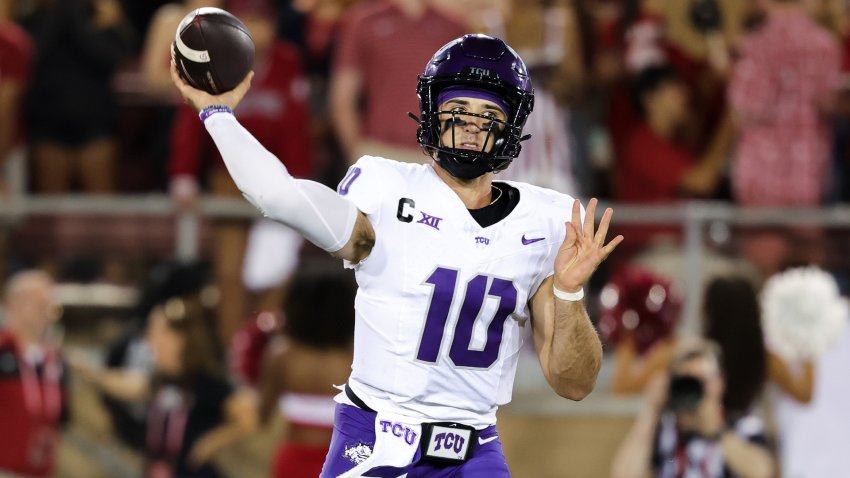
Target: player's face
(471, 123)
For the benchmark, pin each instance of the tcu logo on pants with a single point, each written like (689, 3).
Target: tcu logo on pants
(449, 441)
(399, 430)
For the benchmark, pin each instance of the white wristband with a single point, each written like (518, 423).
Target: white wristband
(571, 296)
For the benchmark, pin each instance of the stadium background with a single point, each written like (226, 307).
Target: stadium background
(101, 246)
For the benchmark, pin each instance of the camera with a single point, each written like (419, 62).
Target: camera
(684, 393)
(706, 16)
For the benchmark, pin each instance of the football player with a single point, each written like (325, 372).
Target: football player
(450, 266)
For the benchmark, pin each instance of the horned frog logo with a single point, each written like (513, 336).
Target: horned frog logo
(358, 453)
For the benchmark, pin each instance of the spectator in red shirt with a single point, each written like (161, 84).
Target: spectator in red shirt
(378, 58)
(15, 59)
(644, 42)
(276, 112)
(32, 378)
(654, 167)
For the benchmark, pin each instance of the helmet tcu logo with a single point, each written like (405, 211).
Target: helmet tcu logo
(474, 70)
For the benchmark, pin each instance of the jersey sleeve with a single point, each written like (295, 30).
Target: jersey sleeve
(367, 183)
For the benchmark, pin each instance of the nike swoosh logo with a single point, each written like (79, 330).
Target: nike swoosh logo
(526, 242)
(483, 441)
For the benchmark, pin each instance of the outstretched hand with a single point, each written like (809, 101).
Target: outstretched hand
(199, 99)
(583, 248)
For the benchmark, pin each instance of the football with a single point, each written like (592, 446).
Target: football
(212, 50)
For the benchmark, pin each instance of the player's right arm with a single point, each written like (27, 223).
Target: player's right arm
(314, 210)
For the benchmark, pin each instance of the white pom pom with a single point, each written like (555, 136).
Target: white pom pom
(803, 313)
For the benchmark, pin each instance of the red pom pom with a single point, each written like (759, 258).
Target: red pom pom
(641, 303)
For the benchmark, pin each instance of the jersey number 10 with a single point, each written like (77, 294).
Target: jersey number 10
(444, 282)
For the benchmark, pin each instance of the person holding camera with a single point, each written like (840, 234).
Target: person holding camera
(682, 431)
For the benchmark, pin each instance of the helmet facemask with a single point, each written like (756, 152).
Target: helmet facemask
(488, 134)
(486, 65)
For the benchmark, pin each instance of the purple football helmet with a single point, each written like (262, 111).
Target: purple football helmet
(476, 63)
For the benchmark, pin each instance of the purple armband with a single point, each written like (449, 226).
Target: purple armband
(211, 110)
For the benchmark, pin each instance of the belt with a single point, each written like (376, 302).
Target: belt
(444, 443)
(356, 400)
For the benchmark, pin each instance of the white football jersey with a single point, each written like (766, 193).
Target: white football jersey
(441, 300)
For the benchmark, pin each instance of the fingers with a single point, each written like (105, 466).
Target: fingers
(175, 77)
(183, 87)
(243, 86)
(246, 82)
(586, 234)
(589, 218)
(609, 248)
(576, 219)
(603, 226)
(572, 234)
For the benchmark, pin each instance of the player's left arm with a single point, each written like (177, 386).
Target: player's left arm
(567, 344)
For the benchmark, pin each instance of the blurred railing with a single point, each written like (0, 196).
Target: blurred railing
(693, 217)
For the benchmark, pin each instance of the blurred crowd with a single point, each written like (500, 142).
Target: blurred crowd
(173, 393)
(636, 102)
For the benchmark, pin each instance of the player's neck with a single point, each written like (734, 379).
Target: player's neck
(475, 193)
